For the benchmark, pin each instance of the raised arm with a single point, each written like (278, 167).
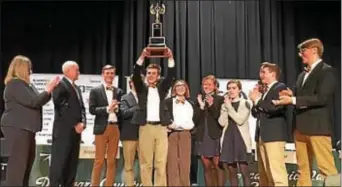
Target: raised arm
(171, 72)
(137, 80)
(21, 92)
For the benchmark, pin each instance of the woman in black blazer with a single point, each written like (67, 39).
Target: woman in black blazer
(21, 119)
(208, 132)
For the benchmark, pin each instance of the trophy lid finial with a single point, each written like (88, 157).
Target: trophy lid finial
(157, 9)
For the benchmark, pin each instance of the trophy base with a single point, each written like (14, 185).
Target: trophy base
(156, 52)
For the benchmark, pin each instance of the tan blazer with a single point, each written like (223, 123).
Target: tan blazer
(240, 117)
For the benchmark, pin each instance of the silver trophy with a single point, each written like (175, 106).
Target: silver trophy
(157, 47)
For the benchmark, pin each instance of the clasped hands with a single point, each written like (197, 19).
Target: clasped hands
(285, 97)
(208, 98)
(255, 94)
(113, 106)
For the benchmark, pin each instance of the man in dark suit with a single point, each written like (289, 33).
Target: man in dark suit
(104, 104)
(129, 132)
(312, 99)
(69, 122)
(153, 118)
(271, 131)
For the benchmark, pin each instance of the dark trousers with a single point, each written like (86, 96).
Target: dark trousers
(64, 159)
(21, 146)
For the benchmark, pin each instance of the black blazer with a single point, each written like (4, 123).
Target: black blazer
(209, 116)
(314, 101)
(23, 106)
(69, 109)
(98, 104)
(271, 120)
(142, 91)
(169, 105)
(128, 130)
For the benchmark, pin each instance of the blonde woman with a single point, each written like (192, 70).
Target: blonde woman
(21, 119)
(235, 139)
(182, 112)
(208, 132)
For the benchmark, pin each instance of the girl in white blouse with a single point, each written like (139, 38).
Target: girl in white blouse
(182, 113)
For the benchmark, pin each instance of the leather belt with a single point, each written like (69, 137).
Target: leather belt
(112, 123)
(153, 122)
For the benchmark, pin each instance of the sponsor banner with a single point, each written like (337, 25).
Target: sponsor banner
(40, 169)
(317, 178)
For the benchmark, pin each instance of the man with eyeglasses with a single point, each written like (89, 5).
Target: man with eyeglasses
(312, 99)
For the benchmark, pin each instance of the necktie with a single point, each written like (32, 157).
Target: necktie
(307, 69)
(76, 90)
(152, 85)
(110, 88)
(180, 101)
(263, 88)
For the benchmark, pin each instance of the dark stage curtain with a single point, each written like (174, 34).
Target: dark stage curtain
(231, 38)
(226, 38)
(91, 33)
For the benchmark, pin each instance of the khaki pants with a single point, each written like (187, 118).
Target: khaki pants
(271, 163)
(153, 146)
(306, 148)
(106, 142)
(129, 151)
(179, 159)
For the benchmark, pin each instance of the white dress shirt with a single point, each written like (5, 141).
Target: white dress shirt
(311, 68)
(182, 115)
(306, 76)
(112, 115)
(153, 102)
(153, 99)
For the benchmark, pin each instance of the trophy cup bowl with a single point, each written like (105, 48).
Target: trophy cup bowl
(156, 47)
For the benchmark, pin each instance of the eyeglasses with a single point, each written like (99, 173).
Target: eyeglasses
(302, 50)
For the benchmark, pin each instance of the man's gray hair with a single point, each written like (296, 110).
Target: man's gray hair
(67, 65)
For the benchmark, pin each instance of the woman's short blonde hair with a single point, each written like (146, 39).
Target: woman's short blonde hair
(212, 78)
(183, 83)
(20, 68)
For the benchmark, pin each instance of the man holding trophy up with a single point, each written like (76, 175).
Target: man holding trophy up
(153, 116)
